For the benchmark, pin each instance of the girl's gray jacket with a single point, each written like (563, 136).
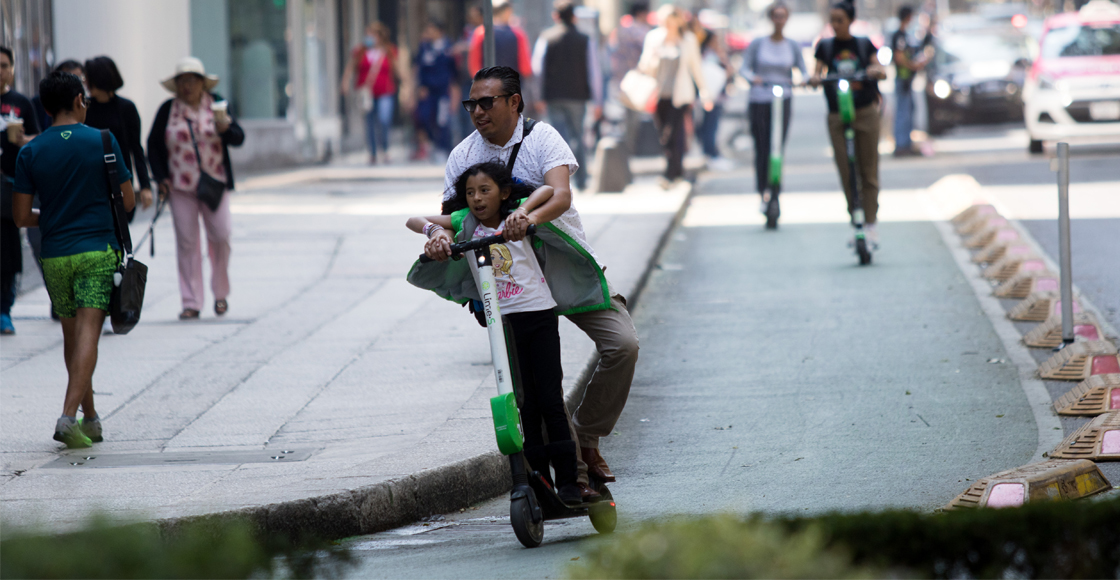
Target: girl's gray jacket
(574, 277)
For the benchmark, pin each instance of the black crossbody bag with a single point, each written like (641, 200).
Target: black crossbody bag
(131, 276)
(210, 190)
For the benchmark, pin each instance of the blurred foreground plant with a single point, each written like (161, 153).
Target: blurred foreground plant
(203, 548)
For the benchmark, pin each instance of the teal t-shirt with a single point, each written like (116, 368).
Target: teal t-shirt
(65, 166)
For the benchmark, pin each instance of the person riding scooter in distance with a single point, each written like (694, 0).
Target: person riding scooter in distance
(848, 56)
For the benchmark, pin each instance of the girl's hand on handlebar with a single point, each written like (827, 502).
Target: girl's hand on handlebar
(815, 81)
(876, 72)
(439, 247)
(517, 224)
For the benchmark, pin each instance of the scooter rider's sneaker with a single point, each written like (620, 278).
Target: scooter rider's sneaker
(92, 428)
(872, 233)
(68, 431)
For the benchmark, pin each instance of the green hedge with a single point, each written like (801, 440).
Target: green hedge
(204, 548)
(1042, 540)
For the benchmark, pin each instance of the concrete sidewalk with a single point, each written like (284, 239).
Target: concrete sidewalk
(334, 397)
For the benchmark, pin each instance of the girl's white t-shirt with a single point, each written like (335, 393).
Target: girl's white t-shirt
(521, 283)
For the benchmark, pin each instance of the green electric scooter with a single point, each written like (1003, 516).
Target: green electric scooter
(777, 114)
(846, 104)
(533, 499)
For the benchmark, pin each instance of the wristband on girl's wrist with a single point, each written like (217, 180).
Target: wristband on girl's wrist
(431, 228)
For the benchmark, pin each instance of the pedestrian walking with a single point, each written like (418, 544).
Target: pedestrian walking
(373, 71)
(537, 155)
(717, 72)
(625, 48)
(189, 148)
(65, 167)
(768, 62)
(511, 46)
(436, 78)
(108, 110)
(849, 56)
(20, 127)
(906, 65)
(462, 50)
(567, 62)
(671, 55)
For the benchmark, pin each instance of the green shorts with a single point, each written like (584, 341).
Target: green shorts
(80, 281)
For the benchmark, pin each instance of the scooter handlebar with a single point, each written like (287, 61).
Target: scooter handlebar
(463, 247)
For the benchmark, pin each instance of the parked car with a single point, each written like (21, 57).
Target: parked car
(976, 77)
(1073, 89)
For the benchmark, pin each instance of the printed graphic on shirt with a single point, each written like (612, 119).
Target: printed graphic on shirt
(519, 281)
(846, 63)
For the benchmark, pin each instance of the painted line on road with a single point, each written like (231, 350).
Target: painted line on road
(1050, 432)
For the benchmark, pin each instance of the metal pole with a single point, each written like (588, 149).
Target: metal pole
(489, 55)
(1063, 242)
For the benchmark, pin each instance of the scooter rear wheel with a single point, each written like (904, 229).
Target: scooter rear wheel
(521, 518)
(604, 516)
(772, 213)
(864, 253)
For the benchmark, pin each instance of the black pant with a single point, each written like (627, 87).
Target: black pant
(670, 126)
(759, 114)
(537, 338)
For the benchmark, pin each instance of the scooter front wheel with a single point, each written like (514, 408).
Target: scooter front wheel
(864, 253)
(521, 518)
(773, 211)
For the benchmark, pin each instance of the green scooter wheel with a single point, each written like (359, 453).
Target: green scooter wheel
(604, 516)
(521, 518)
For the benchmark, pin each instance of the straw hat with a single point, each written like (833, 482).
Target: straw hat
(192, 65)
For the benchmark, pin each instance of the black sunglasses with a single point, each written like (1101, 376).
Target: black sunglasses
(486, 103)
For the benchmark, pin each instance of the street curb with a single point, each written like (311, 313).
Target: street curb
(403, 500)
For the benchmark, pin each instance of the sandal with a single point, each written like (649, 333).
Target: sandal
(188, 314)
(220, 307)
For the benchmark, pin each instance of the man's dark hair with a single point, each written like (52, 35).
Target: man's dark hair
(8, 52)
(438, 25)
(69, 65)
(58, 90)
(638, 8)
(565, 10)
(102, 73)
(906, 11)
(847, 7)
(511, 81)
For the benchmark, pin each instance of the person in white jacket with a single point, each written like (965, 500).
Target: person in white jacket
(671, 55)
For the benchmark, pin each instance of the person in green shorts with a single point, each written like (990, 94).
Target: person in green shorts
(65, 166)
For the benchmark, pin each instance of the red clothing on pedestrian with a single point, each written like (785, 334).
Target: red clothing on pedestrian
(524, 59)
(383, 83)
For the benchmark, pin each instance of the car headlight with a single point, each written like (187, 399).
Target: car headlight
(942, 89)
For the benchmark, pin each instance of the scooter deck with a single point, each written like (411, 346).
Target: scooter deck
(553, 508)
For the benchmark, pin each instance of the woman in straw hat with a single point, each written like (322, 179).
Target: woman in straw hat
(195, 120)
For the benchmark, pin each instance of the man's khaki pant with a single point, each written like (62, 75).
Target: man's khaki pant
(866, 126)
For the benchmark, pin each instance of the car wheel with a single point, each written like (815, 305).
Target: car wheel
(1035, 146)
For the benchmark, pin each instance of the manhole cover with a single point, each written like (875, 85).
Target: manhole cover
(1048, 480)
(88, 458)
(1093, 396)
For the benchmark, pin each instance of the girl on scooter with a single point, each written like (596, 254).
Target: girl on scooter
(849, 56)
(485, 196)
(769, 62)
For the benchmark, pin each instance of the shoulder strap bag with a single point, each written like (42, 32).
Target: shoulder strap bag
(526, 128)
(131, 276)
(210, 190)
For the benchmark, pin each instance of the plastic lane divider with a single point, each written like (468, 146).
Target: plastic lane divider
(1048, 480)
(1075, 362)
(1026, 283)
(1097, 440)
(1049, 333)
(1097, 394)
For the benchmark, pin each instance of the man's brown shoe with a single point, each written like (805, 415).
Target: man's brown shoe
(596, 465)
(588, 494)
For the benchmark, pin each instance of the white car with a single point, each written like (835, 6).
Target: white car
(1073, 89)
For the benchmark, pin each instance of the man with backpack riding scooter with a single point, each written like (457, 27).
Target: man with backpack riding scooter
(537, 155)
(848, 56)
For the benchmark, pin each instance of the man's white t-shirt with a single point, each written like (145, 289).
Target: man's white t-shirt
(521, 286)
(542, 151)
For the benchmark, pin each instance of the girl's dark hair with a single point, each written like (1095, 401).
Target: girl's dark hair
(778, 5)
(501, 176)
(58, 90)
(847, 7)
(102, 73)
(511, 81)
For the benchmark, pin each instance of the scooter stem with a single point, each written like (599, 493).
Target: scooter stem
(507, 418)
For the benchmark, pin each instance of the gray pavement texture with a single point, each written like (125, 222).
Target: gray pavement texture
(778, 377)
(379, 390)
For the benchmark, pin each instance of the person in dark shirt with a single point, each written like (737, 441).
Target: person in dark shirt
(71, 66)
(108, 110)
(65, 167)
(436, 74)
(13, 106)
(848, 56)
(906, 66)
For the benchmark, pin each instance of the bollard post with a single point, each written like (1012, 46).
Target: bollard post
(1063, 243)
(489, 53)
